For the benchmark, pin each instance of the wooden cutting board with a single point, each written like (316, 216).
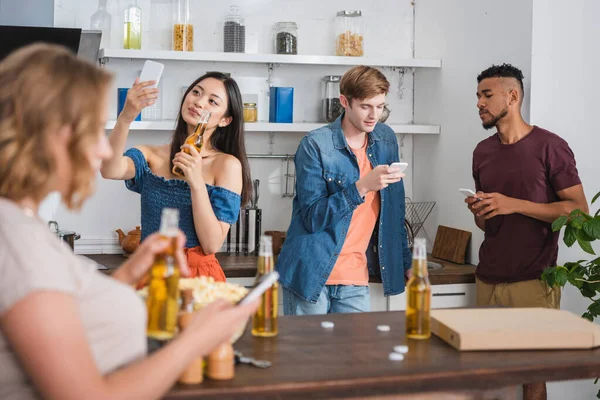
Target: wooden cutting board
(451, 244)
(513, 329)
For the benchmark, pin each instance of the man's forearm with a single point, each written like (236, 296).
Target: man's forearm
(548, 212)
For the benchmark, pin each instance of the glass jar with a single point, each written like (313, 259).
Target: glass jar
(183, 30)
(234, 32)
(132, 38)
(250, 112)
(349, 28)
(332, 107)
(286, 38)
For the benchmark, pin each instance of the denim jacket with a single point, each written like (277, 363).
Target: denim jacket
(326, 196)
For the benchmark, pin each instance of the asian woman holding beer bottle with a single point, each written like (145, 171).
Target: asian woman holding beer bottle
(207, 181)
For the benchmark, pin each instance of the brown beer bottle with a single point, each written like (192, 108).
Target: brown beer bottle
(264, 321)
(163, 288)
(196, 139)
(418, 295)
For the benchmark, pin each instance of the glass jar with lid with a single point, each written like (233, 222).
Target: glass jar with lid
(183, 30)
(286, 38)
(349, 28)
(332, 107)
(250, 112)
(234, 32)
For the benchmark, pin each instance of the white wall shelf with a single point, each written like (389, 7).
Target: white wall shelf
(169, 125)
(268, 58)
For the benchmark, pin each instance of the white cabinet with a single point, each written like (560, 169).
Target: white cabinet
(442, 296)
(378, 300)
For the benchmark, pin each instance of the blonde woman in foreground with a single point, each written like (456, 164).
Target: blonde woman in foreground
(66, 330)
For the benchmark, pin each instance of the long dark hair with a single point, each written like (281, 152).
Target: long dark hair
(228, 139)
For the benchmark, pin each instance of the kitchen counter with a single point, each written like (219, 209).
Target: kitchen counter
(245, 266)
(351, 361)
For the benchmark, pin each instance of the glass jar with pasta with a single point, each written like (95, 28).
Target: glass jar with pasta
(349, 28)
(183, 30)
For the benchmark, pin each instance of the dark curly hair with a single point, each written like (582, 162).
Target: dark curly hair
(502, 71)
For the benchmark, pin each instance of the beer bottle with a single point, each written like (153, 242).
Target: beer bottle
(196, 139)
(163, 288)
(264, 321)
(418, 295)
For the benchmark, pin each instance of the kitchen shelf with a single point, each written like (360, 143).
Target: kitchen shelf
(268, 58)
(169, 125)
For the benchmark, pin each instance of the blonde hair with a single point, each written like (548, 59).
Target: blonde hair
(42, 89)
(362, 82)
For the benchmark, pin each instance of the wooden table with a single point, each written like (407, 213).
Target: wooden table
(351, 361)
(245, 266)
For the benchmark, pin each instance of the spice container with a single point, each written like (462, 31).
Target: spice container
(250, 112)
(220, 364)
(332, 107)
(194, 372)
(349, 33)
(234, 32)
(183, 30)
(286, 38)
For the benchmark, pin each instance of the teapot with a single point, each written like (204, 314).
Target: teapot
(131, 241)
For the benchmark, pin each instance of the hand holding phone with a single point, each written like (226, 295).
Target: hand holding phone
(152, 71)
(467, 192)
(265, 283)
(398, 166)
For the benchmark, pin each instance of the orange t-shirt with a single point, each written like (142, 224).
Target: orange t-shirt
(351, 265)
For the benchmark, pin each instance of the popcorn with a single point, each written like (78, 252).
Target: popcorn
(206, 290)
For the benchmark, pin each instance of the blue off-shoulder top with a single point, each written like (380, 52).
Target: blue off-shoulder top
(157, 193)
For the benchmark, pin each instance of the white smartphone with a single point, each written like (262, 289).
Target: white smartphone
(399, 166)
(265, 283)
(467, 192)
(152, 71)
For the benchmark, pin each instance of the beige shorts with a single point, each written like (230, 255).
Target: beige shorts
(534, 293)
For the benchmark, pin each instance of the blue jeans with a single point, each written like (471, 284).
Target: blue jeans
(332, 299)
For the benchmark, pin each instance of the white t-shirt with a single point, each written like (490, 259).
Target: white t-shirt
(33, 259)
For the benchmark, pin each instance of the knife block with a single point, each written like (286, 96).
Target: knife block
(242, 243)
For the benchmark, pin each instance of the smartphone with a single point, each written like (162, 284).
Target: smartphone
(467, 192)
(265, 283)
(399, 166)
(152, 71)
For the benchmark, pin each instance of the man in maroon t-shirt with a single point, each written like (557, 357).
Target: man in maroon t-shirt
(525, 178)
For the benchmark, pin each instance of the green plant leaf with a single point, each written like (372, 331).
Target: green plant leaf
(575, 279)
(586, 246)
(587, 290)
(549, 276)
(588, 316)
(559, 223)
(582, 235)
(595, 197)
(592, 228)
(562, 276)
(597, 213)
(594, 309)
(577, 222)
(570, 236)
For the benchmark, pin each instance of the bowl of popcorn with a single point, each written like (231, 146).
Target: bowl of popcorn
(206, 290)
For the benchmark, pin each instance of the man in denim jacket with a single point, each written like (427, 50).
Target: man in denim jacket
(348, 213)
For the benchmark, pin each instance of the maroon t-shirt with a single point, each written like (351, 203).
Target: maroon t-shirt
(516, 247)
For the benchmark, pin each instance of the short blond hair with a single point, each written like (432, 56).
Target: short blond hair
(42, 89)
(362, 82)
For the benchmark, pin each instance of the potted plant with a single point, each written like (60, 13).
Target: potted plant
(583, 274)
